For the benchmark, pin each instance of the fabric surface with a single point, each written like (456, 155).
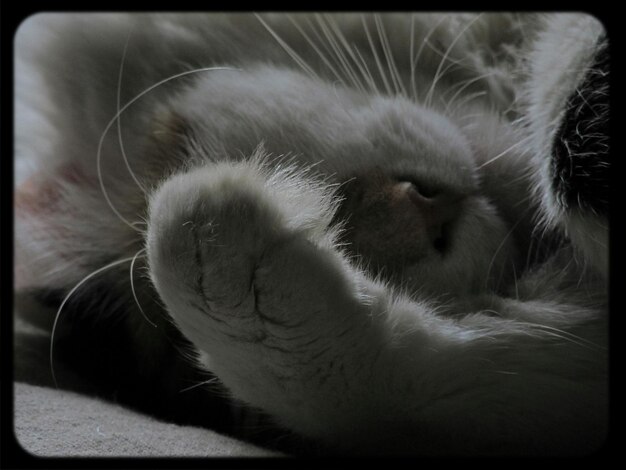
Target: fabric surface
(50, 423)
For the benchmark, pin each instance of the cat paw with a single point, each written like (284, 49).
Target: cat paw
(235, 250)
(246, 265)
(208, 231)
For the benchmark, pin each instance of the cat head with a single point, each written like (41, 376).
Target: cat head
(412, 209)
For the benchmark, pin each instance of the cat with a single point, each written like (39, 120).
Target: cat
(385, 233)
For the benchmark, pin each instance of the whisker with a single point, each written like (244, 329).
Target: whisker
(457, 62)
(411, 58)
(67, 297)
(501, 154)
(340, 55)
(376, 58)
(323, 43)
(532, 251)
(391, 65)
(119, 121)
(501, 245)
(415, 60)
(438, 73)
(515, 281)
(120, 112)
(429, 98)
(132, 288)
(564, 335)
(333, 48)
(366, 71)
(293, 54)
(468, 117)
(204, 382)
(351, 51)
(467, 99)
(139, 222)
(315, 48)
(465, 84)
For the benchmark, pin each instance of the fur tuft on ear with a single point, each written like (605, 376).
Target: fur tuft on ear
(566, 116)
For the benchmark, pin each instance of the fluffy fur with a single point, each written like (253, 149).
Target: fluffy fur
(350, 220)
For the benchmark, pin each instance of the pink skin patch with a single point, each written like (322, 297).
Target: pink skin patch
(37, 198)
(39, 194)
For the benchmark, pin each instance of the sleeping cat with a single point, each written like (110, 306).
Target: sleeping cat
(386, 233)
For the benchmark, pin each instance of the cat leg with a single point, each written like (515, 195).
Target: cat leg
(245, 261)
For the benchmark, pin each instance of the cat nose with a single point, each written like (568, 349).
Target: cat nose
(438, 211)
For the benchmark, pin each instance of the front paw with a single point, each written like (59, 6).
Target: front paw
(209, 229)
(246, 264)
(236, 245)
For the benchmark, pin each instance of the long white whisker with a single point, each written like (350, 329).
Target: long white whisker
(515, 282)
(119, 113)
(376, 58)
(445, 57)
(465, 84)
(493, 258)
(466, 117)
(415, 60)
(67, 297)
(334, 49)
(438, 79)
(365, 73)
(119, 120)
(132, 288)
(411, 57)
(381, 41)
(205, 382)
(467, 99)
(340, 55)
(391, 64)
(317, 50)
(330, 53)
(457, 62)
(564, 335)
(293, 54)
(501, 154)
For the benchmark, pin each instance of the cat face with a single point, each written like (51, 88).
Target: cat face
(412, 207)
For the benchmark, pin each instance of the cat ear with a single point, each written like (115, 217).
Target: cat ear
(581, 161)
(568, 117)
(580, 150)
